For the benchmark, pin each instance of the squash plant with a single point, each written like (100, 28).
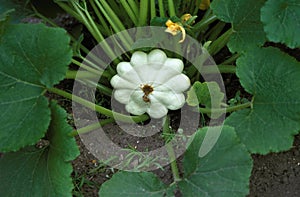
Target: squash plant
(38, 144)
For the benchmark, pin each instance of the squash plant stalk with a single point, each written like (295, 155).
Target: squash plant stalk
(114, 21)
(152, 9)
(130, 12)
(232, 59)
(98, 108)
(170, 150)
(104, 26)
(203, 23)
(171, 8)
(88, 21)
(91, 64)
(82, 14)
(227, 109)
(91, 127)
(219, 68)
(220, 42)
(134, 7)
(144, 8)
(214, 33)
(73, 74)
(88, 68)
(102, 88)
(161, 8)
(69, 10)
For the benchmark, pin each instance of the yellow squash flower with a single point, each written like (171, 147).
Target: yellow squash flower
(174, 29)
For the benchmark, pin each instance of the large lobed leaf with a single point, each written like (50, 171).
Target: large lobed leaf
(224, 171)
(32, 57)
(42, 171)
(273, 78)
(134, 184)
(281, 20)
(244, 16)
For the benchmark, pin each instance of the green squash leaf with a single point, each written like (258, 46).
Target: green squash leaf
(273, 78)
(42, 171)
(224, 171)
(206, 93)
(281, 20)
(201, 93)
(32, 57)
(134, 184)
(244, 16)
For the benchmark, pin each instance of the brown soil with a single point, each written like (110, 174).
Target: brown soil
(277, 174)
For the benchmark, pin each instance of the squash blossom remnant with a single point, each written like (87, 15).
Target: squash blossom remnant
(186, 17)
(174, 29)
(150, 83)
(185, 21)
(204, 5)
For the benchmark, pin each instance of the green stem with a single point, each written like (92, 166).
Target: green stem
(94, 27)
(171, 8)
(73, 74)
(84, 76)
(90, 24)
(170, 150)
(214, 33)
(204, 23)
(152, 9)
(231, 59)
(161, 8)
(227, 68)
(143, 12)
(193, 70)
(110, 15)
(114, 21)
(225, 110)
(134, 6)
(103, 89)
(69, 10)
(114, 5)
(104, 27)
(220, 42)
(130, 12)
(87, 20)
(99, 109)
(96, 72)
(91, 127)
(219, 68)
(98, 36)
(91, 56)
(83, 48)
(91, 64)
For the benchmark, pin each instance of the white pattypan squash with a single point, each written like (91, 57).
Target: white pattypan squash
(150, 83)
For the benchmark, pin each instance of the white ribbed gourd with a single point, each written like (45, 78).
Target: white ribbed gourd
(150, 83)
